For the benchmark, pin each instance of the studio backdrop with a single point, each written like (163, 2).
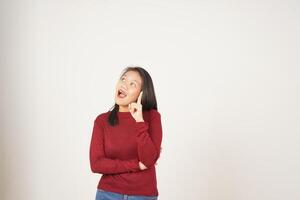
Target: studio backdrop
(226, 77)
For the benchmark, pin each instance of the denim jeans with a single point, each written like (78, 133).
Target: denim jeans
(106, 195)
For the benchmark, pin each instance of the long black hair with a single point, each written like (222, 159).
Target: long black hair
(148, 99)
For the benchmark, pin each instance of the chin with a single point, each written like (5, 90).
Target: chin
(121, 103)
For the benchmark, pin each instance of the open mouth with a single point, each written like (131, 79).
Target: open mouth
(121, 93)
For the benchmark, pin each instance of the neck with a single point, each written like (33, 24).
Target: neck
(123, 109)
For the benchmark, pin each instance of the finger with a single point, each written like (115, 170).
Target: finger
(131, 108)
(137, 106)
(134, 106)
(139, 101)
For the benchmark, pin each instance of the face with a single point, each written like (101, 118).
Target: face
(128, 88)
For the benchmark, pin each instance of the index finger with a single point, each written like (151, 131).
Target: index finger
(140, 97)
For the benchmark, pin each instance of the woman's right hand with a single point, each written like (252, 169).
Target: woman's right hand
(142, 166)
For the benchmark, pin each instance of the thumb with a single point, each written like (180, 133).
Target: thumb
(130, 108)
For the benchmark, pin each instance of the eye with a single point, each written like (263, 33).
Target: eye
(133, 84)
(122, 78)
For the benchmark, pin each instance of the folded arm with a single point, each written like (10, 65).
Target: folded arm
(99, 163)
(149, 138)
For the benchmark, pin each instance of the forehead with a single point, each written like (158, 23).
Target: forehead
(134, 76)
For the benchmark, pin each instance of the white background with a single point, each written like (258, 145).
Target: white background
(226, 75)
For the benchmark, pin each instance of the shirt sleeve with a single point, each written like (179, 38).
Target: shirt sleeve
(149, 138)
(99, 163)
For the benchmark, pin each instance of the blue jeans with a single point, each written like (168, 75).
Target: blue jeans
(106, 195)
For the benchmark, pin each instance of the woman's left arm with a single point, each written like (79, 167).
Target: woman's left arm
(149, 138)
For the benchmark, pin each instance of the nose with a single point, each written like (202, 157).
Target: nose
(123, 86)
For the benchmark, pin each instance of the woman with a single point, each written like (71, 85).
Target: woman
(126, 141)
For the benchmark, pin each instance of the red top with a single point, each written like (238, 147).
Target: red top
(116, 151)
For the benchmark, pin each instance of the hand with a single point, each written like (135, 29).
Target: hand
(142, 166)
(136, 109)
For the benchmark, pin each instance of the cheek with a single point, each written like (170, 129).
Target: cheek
(133, 95)
(118, 84)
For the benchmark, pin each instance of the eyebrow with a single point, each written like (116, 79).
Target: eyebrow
(132, 80)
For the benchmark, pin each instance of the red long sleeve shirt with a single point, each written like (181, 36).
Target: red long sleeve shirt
(115, 152)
